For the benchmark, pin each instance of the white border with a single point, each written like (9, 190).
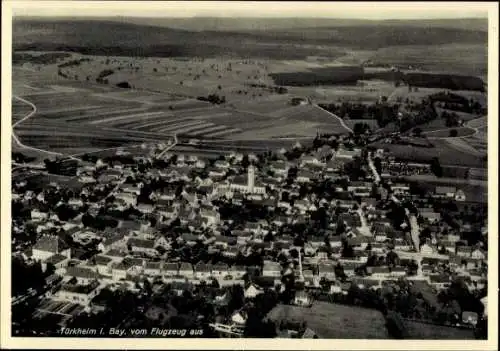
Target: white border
(7, 341)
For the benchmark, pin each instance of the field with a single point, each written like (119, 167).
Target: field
(445, 149)
(452, 58)
(445, 133)
(475, 190)
(115, 117)
(169, 69)
(334, 321)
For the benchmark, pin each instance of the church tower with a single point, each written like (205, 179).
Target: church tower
(251, 178)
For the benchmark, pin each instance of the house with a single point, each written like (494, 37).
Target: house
(336, 241)
(400, 189)
(189, 239)
(464, 251)
(57, 260)
(238, 272)
(211, 216)
(469, 317)
(103, 264)
(78, 293)
(402, 245)
(301, 205)
(335, 288)
(445, 191)
(271, 269)
(380, 272)
(460, 195)
(49, 245)
(143, 246)
(224, 242)
(359, 188)
(239, 318)
(398, 271)
(427, 249)
(84, 275)
(302, 299)
(478, 254)
(153, 269)
(171, 269)
(280, 168)
(113, 239)
(231, 252)
(430, 215)
(310, 160)
(145, 208)
(115, 254)
(350, 268)
(222, 164)
(252, 291)
(304, 176)
(220, 271)
(326, 271)
(180, 287)
(186, 270)
(439, 282)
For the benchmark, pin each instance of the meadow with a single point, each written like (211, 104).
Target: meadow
(335, 321)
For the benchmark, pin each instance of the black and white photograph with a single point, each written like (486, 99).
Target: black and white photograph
(250, 170)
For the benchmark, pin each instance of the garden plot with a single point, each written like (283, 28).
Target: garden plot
(445, 133)
(185, 130)
(172, 127)
(222, 133)
(61, 112)
(206, 131)
(444, 149)
(137, 116)
(463, 146)
(110, 112)
(478, 122)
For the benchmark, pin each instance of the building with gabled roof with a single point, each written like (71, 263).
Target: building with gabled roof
(49, 245)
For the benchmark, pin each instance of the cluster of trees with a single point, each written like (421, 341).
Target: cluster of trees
(382, 112)
(213, 99)
(19, 157)
(19, 58)
(420, 113)
(455, 102)
(124, 85)
(73, 63)
(101, 78)
(444, 81)
(361, 128)
(451, 119)
(25, 276)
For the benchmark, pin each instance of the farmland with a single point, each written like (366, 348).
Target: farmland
(425, 331)
(114, 117)
(73, 83)
(445, 133)
(444, 149)
(335, 321)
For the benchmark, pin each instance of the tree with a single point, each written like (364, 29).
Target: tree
(237, 299)
(395, 326)
(50, 269)
(436, 167)
(360, 128)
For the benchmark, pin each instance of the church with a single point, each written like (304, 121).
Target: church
(241, 184)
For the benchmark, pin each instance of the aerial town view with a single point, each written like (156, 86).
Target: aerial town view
(222, 177)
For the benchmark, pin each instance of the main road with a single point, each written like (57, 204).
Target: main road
(29, 115)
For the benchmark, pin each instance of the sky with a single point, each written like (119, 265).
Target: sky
(361, 10)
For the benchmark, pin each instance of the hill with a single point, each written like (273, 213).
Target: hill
(118, 37)
(264, 24)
